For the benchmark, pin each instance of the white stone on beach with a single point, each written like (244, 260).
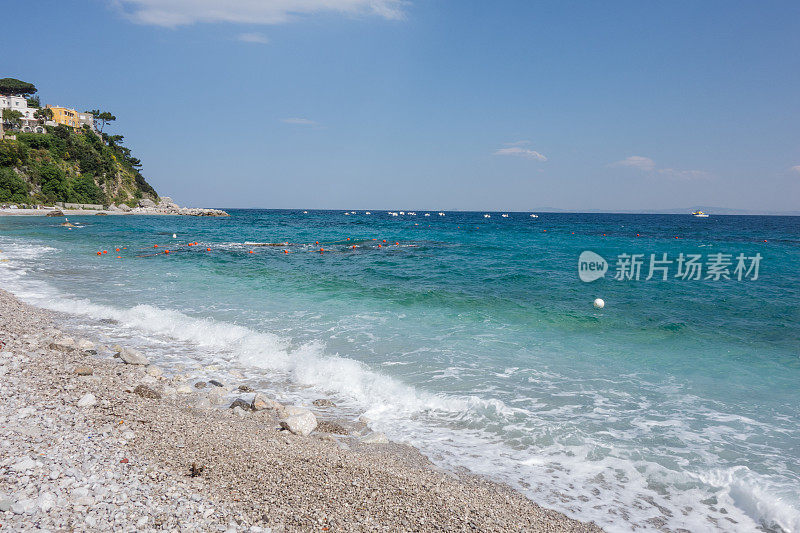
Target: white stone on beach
(203, 403)
(238, 411)
(375, 438)
(46, 501)
(184, 389)
(261, 402)
(26, 463)
(302, 422)
(87, 400)
(132, 357)
(85, 344)
(153, 370)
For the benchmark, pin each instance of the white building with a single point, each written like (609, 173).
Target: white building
(20, 103)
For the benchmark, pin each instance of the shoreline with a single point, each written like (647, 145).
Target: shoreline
(178, 211)
(93, 442)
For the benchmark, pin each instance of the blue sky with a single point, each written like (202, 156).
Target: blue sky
(434, 104)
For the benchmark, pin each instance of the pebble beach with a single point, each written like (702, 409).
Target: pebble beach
(95, 438)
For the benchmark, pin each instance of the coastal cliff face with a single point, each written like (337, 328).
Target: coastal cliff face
(67, 166)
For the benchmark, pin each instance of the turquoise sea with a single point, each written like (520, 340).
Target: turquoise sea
(675, 406)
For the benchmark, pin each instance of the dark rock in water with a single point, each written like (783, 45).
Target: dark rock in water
(326, 426)
(323, 402)
(243, 404)
(214, 382)
(200, 385)
(55, 213)
(245, 388)
(146, 392)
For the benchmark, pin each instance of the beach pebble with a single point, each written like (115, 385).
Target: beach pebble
(153, 370)
(375, 438)
(241, 404)
(24, 506)
(132, 357)
(87, 400)
(46, 501)
(245, 388)
(184, 389)
(203, 403)
(323, 402)
(5, 505)
(301, 423)
(26, 463)
(200, 385)
(146, 392)
(215, 383)
(261, 403)
(84, 344)
(84, 370)
(216, 396)
(238, 411)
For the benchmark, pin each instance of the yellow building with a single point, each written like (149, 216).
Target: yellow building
(70, 117)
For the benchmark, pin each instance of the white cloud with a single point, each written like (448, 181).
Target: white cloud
(795, 168)
(300, 121)
(636, 161)
(683, 174)
(645, 164)
(173, 13)
(516, 149)
(258, 38)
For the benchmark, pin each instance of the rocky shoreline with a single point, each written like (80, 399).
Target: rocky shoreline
(97, 438)
(165, 206)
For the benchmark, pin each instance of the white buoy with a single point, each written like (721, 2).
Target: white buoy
(599, 303)
(174, 236)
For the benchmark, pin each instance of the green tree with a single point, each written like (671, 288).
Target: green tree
(54, 182)
(34, 101)
(15, 87)
(12, 187)
(12, 116)
(102, 118)
(43, 115)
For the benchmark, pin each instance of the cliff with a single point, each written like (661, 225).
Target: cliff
(67, 166)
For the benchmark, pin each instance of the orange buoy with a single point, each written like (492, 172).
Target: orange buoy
(321, 250)
(604, 234)
(119, 257)
(286, 251)
(348, 238)
(155, 246)
(99, 253)
(105, 251)
(380, 246)
(317, 242)
(384, 240)
(637, 235)
(765, 240)
(354, 246)
(117, 250)
(208, 249)
(397, 244)
(166, 251)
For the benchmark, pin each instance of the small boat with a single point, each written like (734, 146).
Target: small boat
(487, 215)
(305, 212)
(504, 215)
(367, 213)
(534, 215)
(700, 214)
(441, 214)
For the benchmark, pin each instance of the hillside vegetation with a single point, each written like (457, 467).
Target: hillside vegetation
(67, 166)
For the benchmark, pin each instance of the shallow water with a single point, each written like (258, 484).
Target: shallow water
(474, 340)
